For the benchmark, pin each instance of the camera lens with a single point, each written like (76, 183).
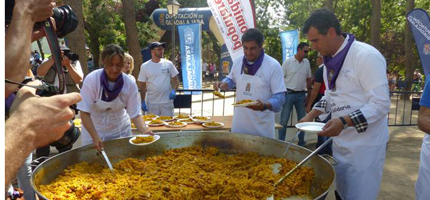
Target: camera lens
(65, 20)
(66, 142)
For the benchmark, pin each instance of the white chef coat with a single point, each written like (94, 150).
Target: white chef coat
(157, 77)
(266, 82)
(361, 84)
(111, 119)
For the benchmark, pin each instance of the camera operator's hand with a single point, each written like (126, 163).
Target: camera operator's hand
(66, 62)
(39, 10)
(45, 118)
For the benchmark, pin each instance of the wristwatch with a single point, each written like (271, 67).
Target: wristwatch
(345, 124)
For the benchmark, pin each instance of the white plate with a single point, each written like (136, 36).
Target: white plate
(193, 121)
(156, 137)
(147, 123)
(155, 117)
(202, 121)
(177, 117)
(310, 127)
(207, 126)
(245, 104)
(166, 120)
(177, 126)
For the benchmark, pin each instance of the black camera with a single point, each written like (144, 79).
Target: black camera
(72, 56)
(65, 19)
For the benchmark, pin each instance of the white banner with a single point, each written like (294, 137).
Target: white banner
(233, 18)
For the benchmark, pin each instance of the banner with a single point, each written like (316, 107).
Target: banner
(419, 22)
(225, 62)
(290, 41)
(185, 16)
(191, 53)
(233, 18)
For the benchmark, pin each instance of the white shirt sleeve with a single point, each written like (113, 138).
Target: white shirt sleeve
(88, 93)
(142, 74)
(133, 105)
(77, 66)
(277, 83)
(173, 70)
(308, 70)
(372, 71)
(378, 104)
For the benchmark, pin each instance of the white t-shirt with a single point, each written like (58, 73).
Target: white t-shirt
(157, 77)
(296, 73)
(204, 67)
(270, 73)
(92, 86)
(78, 68)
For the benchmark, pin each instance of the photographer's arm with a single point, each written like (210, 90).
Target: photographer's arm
(45, 66)
(89, 125)
(19, 37)
(75, 70)
(34, 122)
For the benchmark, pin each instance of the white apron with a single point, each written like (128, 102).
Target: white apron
(110, 120)
(361, 156)
(422, 187)
(247, 121)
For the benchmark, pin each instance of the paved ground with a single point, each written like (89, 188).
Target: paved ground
(401, 164)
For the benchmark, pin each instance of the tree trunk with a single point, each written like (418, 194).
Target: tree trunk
(77, 37)
(131, 34)
(409, 68)
(328, 4)
(375, 24)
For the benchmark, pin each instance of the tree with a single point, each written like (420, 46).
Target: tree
(328, 4)
(131, 34)
(409, 67)
(77, 38)
(375, 24)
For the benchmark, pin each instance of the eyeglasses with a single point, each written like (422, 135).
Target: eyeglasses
(306, 51)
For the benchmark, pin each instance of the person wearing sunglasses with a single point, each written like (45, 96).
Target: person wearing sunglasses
(297, 78)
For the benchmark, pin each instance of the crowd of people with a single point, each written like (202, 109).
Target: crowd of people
(353, 102)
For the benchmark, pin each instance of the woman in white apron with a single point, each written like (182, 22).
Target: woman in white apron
(109, 100)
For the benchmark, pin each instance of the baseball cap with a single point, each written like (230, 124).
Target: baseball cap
(157, 44)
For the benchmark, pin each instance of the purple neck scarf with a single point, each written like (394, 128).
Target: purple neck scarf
(109, 95)
(334, 64)
(251, 69)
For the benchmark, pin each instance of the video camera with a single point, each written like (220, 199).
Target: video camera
(66, 22)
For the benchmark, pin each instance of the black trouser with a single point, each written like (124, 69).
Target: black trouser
(337, 195)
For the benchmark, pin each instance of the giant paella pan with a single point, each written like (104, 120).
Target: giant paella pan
(175, 144)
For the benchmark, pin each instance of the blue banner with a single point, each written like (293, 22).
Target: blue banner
(225, 62)
(191, 53)
(185, 16)
(290, 41)
(419, 22)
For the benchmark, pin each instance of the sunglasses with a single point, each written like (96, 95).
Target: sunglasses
(306, 51)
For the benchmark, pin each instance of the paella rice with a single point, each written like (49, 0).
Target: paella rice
(183, 173)
(140, 140)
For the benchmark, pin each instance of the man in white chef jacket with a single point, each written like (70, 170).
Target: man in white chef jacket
(357, 95)
(422, 186)
(257, 76)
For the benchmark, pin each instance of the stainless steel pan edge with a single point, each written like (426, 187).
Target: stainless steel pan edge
(119, 149)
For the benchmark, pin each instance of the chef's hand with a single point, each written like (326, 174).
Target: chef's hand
(98, 143)
(306, 118)
(148, 132)
(260, 106)
(144, 107)
(172, 94)
(220, 85)
(332, 128)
